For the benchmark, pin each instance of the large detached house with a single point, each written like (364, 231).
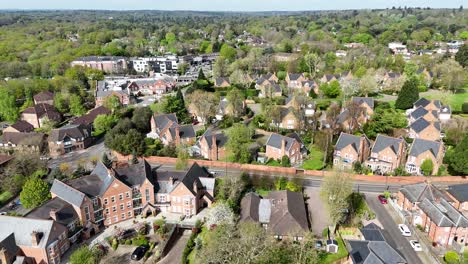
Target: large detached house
(213, 145)
(387, 154)
(45, 97)
(88, 119)
(69, 138)
(38, 114)
(350, 149)
(367, 103)
(29, 141)
(421, 150)
(278, 146)
(20, 126)
(166, 128)
(283, 213)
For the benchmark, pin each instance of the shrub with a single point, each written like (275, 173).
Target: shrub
(128, 242)
(465, 108)
(451, 257)
(140, 241)
(115, 244)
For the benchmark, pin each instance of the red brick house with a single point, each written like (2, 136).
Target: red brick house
(69, 138)
(387, 154)
(278, 146)
(350, 149)
(166, 128)
(213, 145)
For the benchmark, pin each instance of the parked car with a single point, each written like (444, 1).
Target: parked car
(382, 199)
(139, 252)
(415, 245)
(404, 230)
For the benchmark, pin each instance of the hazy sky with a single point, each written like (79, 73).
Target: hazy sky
(224, 5)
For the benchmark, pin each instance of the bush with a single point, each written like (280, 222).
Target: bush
(451, 257)
(115, 244)
(465, 108)
(128, 242)
(188, 248)
(140, 241)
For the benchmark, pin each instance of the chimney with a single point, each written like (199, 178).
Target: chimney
(53, 214)
(177, 135)
(171, 180)
(214, 148)
(36, 238)
(283, 146)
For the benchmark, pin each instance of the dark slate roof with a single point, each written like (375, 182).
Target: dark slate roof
(296, 137)
(25, 139)
(424, 102)
(44, 96)
(162, 184)
(95, 184)
(435, 213)
(368, 100)
(162, 120)
(288, 213)
(67, 193)
(267, 76)
(23, 126)
(250, 207)
(192, 176)
(346, 139)
(359, 250)
(294, 76)
(373, 252)
(219, 81)
(65, 212)
(420, 146)
(260, 80)
(275, 87)
(419, 112)
(459, 191)
(221, 138)
(372, 234)
(420, 191)
(342, 117)
(41, 110)
(89, 118)
(275, 140)
(5, 158)
(71, 131)
(185, 131)
(393, 75)
(135, 174)
(382, 142)
(188, 178)
(8, 243)
(309, 83)
(420, 124)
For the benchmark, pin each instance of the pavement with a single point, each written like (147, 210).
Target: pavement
(392, 234)
(81, 156)
(174, 256)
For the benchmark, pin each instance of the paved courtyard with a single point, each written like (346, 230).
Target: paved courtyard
(317, 211)
(175, 254)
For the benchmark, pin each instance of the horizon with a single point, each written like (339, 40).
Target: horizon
(222, 6)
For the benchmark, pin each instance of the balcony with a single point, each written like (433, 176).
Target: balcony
(97, 208)
(136, 196)
(73, 234)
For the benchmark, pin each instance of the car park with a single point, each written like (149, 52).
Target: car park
(405, 231)
(139, 252)
(415, 245)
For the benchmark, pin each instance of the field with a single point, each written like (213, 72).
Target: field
(315, 161)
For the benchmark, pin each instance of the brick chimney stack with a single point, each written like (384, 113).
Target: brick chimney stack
(214, 148)
(53, 214)
(177, 135)
(283, 146)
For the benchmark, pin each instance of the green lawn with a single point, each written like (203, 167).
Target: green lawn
(454, 100)
(5, 196)
(331, 258)
(315, 161)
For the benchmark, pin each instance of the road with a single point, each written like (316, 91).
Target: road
(76, 157)
(391, 232)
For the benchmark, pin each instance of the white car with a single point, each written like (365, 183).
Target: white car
(415, 245)
(404, 230)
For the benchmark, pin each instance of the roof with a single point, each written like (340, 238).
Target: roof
(24, 227)
(393, 75)
(443, 214)
(135, 174)
(424, 102)
(185, 131)
(25, 139)
(67, 193)
(420, 146)
(372, 232)
(346, 139)
(420, 191)
(89, 118)
(44, 96)
(368, 100)
(5, 158)
(221, 138)
(72, 131)
(95, 184)
(219, 81)
(382, 142)
(275, 141)
(100, 58)
(459, 191)
(23, 126)
(421, 124)
(250, 207)
(65, 212)
(192, 176)
(195, 175)
(294, 76)
(296, 137)
(9, 245)
(421, 111)
(373, 252)
(162, 120)
(43, 110)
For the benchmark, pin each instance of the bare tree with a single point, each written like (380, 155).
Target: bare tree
(312, 61)
(355, 112)
(204, 103)
(235, 100)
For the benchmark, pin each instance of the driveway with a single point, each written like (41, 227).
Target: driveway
(317, 211)
(81, 156)
(121, 255)
(175, 254)
(391, 232)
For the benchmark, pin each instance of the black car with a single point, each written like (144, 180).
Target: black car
(139, 252)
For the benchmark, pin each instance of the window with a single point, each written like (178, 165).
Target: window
(87, 216)
(127, 194)
(95, 202)
(114, 209)
(108, 221)
(122, 206)
(107, 210)
(187, 212)
(121, 196)
(129, 214)
(122, 216)
(106, 201)
(162, 198)
(113, 199)
(147, 194)
(116, 219)
(129, 204)
(186, 202)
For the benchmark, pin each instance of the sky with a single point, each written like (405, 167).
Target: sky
(225, 5)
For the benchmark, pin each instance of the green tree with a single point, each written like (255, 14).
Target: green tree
(201, 75)
(76, 105)
(104, 123)
(112, 102)
(83, 255)
(8, 108)
(176, 105)
(285, 162)
(228, 52)
(182, 159)
(61, 103)
(462, 55)
(294, 185)
(408, 95)
(331, 90)
(457, 158)
(235, 102)
(106, 161)
(451, 257)
(239, 138)
(281, 183)
(427, 166)
(141, 119)
(35, 192)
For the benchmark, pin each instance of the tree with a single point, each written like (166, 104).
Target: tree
(35, 192)
(281, 183)
(457, 158)
(61, 103)
(384, 121)
(182, 159)
(368, 84)
(84, 255)
(294, 185)
(230, 190)
(106, 161)
(239, 137)
(334, 192)
(141, 119)
(228, 52)
(204, 104)
(219, 214)
(76, 105)
(112, 102)
(452, 75)
(176, 105)
(408, 95)
(8, 109)
(312, 60)
(462, 55)
(331, 90)
(285, 162)
(235, 102)
(104, 123)
(427, 167)
(201, 75)
(220, 67)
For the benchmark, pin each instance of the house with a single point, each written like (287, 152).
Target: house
(166, 128)
(391, 76)
(30, 141)
(445, 113)
(373, 248)
(435, 211)
(387, 154)
(421, 112)
(29, 240)
(184, 192)
(424, 129)
(20, 126)
(213, 145)
(308, 85)
(421, 150)
(105, 90)
(108, 64)
(69, 138)
(281, 212)
(367, 103)
(459, 195)
(278, 146)
(294, 80)
(327, 78)
(150, 86)
(428, 104)
(222, 82)
(222, 109)
(350, 149)
(268, 89)
(88, 119)
(39, 114)
(45, 97)
(288, 118)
